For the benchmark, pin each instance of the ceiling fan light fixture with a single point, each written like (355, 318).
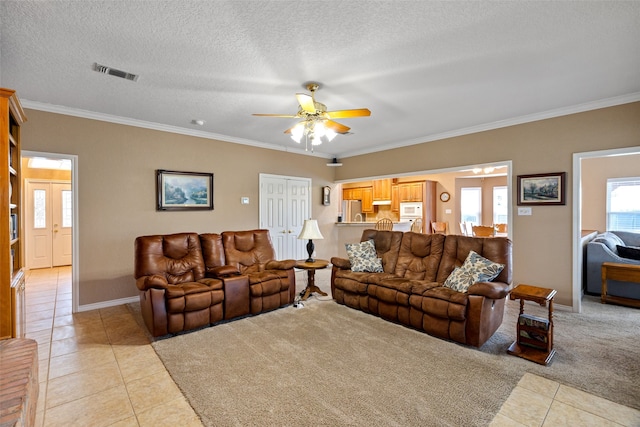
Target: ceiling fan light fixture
(330, 134)
(297, 132)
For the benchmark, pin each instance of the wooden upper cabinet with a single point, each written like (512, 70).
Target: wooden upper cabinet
(382, 189)
(410, 191)
(353, 193)
(367, 199)
(395, 199)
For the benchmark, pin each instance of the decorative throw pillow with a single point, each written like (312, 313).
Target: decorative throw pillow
(363, 257)
(474, 269)
(630, 252)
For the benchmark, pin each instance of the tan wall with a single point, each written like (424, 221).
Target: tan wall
(117, 166)
(595, 172)
(543, 241)
(116, 180)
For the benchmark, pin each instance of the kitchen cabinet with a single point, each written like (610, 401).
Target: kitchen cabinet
(367, 200)
(352, 193)
(395, 200)
(410, 192)
(382, 189)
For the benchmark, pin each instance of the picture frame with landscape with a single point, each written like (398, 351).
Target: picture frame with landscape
(183, 190)
(542, 189)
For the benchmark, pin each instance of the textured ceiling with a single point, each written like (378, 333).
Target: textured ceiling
(425, 69)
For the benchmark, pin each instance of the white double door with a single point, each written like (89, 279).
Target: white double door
(48, 224)
(284, 205)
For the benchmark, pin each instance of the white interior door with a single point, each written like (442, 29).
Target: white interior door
(284, 205)
(61, 218)
(38, 227)
(48, 224)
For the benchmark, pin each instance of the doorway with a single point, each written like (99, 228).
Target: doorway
(59, 172)
(578, 191)
(48, 223)
(284, 205)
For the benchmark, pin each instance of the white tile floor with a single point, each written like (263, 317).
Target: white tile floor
(97, 368)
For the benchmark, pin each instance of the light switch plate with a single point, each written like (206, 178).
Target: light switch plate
(524, 211)
(447, 211)
(244, 200)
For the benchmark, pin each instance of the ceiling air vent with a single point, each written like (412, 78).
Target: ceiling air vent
(113, 72)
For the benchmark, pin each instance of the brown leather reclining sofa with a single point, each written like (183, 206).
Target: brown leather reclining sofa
(188, 281)
(410, 291)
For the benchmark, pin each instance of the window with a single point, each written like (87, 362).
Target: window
(471, 204)
(500, 205)
(67, 211)
(39, 209)
(623, 204)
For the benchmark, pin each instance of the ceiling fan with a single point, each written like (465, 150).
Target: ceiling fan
(317, 122)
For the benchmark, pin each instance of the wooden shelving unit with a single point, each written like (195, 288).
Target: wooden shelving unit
(12, 314)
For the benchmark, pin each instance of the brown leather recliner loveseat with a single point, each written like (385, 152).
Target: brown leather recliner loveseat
(187, 281)
(411, 290)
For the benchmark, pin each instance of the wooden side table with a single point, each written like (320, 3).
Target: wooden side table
(624, 273)
(534, 340)
(311, 268)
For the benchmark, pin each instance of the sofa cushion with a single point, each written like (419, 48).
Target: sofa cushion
(474, 269)
(630, 252)
(363, 257)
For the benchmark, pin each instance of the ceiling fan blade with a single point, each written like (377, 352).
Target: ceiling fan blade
(306, 102)
(275, 115)
(339, 128)
(346, 114)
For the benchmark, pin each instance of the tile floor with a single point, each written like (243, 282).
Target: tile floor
(97, 368)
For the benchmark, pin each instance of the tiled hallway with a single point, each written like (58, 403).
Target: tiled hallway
(97, 368)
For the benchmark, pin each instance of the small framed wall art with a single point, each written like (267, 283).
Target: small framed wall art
(181, 191)
(542, 189)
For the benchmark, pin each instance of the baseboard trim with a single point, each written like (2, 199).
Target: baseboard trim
(106, 304)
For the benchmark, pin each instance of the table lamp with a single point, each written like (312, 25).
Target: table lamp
(310, 231)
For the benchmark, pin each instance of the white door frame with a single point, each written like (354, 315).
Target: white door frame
(577, 215)
(75, 264)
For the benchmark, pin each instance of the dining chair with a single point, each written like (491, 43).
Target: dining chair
(439, 227)
(384, 224)
(501, 228)
(416, 226)
(483, 231)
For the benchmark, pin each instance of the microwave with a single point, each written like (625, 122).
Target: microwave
(411, 210)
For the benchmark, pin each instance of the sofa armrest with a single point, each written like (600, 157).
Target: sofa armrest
(155, 281)
(285, 264)
(342, 263)
(223, 271)
(493, 290)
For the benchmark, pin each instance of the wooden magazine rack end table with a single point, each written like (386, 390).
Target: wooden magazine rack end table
(534, 339)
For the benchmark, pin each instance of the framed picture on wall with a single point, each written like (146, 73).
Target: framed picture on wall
(180, 191)
(542, 189)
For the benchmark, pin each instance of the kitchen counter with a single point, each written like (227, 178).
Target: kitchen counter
(397, 225)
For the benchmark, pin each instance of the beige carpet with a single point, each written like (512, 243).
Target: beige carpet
(326, 364)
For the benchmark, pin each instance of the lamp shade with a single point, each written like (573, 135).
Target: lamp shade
(310, 230)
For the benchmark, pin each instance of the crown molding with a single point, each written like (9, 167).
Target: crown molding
(559, 112)
(550, 114)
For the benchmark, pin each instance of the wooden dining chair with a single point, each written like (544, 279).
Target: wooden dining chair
(501, 228)
(384, 224)
(439, 227)
(416, 226)
(483, 231)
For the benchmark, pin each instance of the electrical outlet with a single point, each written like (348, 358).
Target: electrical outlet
(524, 211)
(244, 200)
